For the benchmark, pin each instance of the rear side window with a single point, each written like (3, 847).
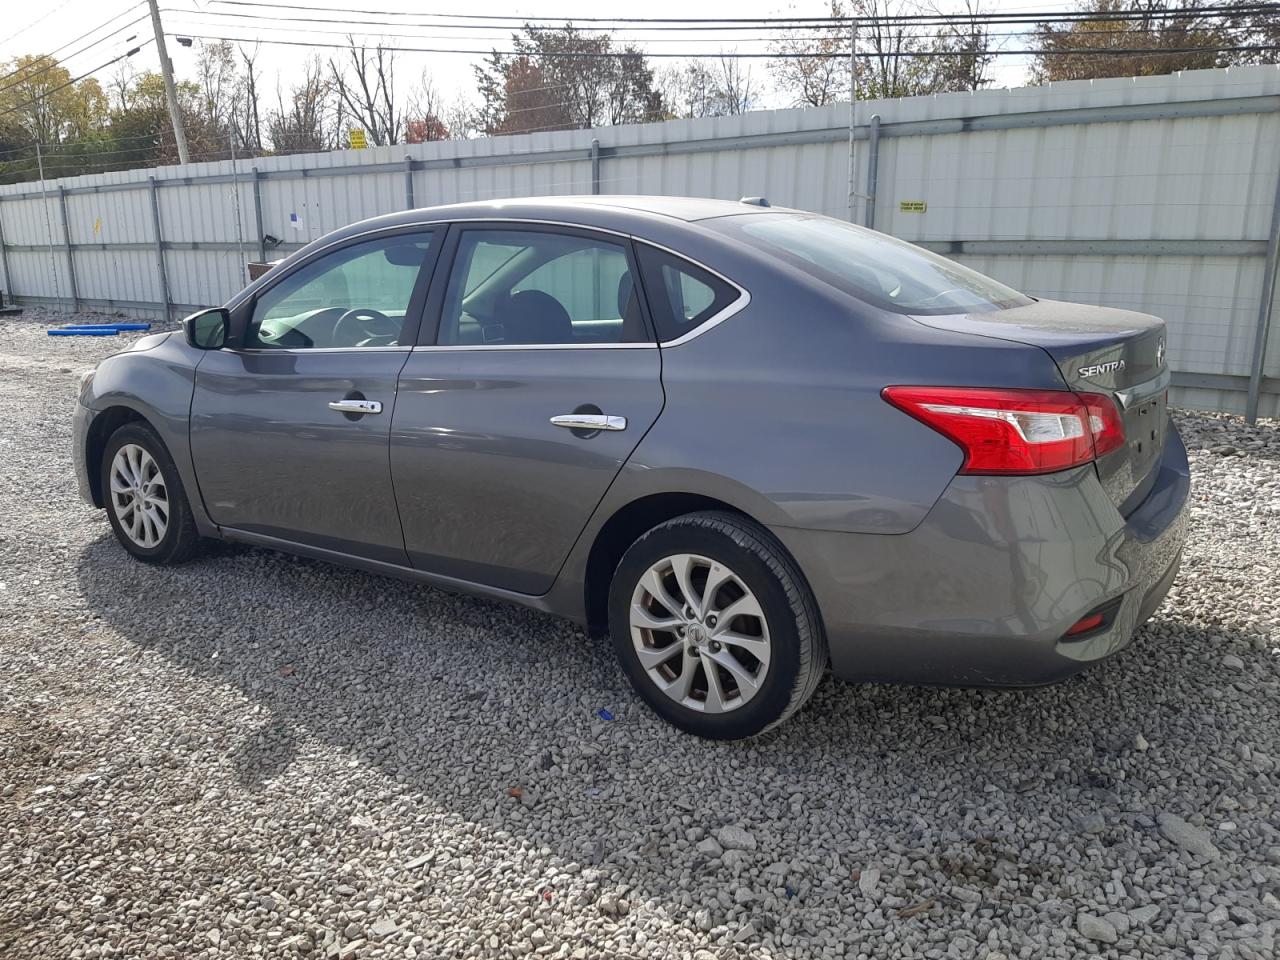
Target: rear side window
(523, 287)
(882, 270)
(682, 296)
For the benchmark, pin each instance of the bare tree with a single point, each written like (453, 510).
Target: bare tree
(459, 118)
(365, 85)
(250, 122)
(219, 82)
(812, 62)
(120, 86)
(299, 124)
(423, 121)
(695, 89)
(734, 93)
(689, 90)
(968, 41)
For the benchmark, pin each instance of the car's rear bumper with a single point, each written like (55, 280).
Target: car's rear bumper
(983, 591)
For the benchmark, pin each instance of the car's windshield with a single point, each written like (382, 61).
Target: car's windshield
(880, 269)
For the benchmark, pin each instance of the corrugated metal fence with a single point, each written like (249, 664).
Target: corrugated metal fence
(1160, 194)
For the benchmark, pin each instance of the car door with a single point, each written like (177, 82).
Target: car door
(290, 426)
(512, 422)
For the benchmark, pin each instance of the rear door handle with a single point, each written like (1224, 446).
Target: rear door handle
(589, 421)
(356, 406)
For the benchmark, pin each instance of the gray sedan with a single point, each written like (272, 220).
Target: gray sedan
(747, 443)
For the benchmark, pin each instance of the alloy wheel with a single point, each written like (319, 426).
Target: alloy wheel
(139, 497)
(700, 633)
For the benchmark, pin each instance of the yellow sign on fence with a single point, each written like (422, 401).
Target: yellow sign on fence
(912, 206)
(358, 141)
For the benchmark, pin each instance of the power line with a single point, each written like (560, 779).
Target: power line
(960, 20)
(53, 53)
(37, 21)
(833, 22)
(54, 63)
(48, 93)
(735, 55)
(294, 21)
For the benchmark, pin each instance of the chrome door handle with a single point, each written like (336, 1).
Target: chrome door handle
(355, 406)
(589, 421)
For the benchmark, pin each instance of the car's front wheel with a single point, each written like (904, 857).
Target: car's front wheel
(145, 502)
(715, 627)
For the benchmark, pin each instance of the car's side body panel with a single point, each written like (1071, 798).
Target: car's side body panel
(489, 489)
(272, 457)
(838, 457)
(154, 379)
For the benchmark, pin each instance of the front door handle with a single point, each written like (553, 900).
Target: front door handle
(589, 421)
(356, 406)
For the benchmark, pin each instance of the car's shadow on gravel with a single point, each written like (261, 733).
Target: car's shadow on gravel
(460, 701)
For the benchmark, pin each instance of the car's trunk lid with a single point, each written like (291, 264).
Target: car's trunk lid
(1098, 350)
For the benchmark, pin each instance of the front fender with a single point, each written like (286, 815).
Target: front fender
(155, 384)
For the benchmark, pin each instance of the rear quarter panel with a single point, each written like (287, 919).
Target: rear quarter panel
(783, 399)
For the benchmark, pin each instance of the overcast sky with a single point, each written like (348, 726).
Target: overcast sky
(33, 28)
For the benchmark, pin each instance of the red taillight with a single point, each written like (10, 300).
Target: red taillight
(1016, 431)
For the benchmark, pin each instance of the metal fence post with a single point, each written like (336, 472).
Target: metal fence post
(257, 215)
(873, 171)
(4, 261)
(595, 167)
(1265, 305)
(71, 257)
(155, 221)
(408, 182)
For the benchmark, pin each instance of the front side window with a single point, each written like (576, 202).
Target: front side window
(357, 296)
(523, 287)
(882, 270)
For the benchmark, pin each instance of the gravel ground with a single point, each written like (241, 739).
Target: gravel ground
(254, 755)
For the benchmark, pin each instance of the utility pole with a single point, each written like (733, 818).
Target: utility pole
(853, 114)
(170, 91)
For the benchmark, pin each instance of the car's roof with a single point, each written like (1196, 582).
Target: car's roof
(679, 208)
(625, 214)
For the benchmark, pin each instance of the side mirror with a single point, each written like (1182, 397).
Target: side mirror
(208, 329)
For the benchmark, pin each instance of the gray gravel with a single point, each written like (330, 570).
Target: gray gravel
(255, 755)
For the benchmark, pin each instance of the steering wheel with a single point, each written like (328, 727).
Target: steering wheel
(364, 323)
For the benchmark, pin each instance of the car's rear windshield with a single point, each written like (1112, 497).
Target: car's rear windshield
(874, 267)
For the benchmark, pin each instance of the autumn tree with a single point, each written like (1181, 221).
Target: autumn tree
(811, 62)
(565, 79)
(143, 131)
(40, 104)
(1161, 38)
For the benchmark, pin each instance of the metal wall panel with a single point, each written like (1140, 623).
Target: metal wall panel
(1189, 159)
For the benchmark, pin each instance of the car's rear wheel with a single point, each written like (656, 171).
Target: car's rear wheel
(145, 502)
(715, 627)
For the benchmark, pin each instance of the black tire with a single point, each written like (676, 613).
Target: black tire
(181, 540)
(797, 642)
